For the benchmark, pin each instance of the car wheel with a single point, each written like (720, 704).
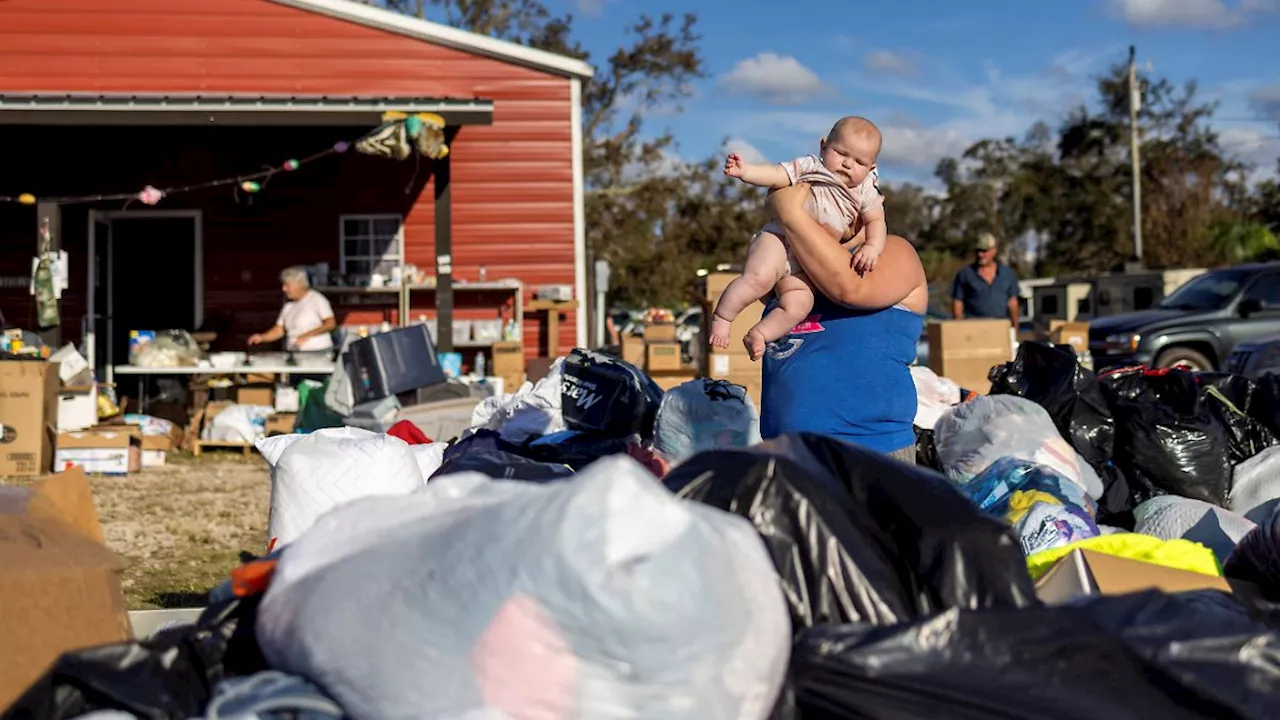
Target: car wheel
(1184, 357)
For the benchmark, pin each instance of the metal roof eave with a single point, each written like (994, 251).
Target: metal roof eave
(85, 109)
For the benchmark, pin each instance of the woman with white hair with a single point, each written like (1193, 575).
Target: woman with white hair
(306, 321)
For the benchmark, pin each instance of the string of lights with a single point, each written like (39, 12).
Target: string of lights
(395, 138)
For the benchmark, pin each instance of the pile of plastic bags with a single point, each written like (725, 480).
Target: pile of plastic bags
(596, 548)
(1064, 455)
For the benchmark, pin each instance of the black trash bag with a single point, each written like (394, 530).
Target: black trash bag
(1264, 404)
(1180, 656)
(502, 465)
(1246, 435)
(1167, 442)
(857, 536)
(607, 395)
(168, 677)
(576, 449)
(483, 440)
(927, 450)
(1116, 506)
(1053, 378)
(1237, 389)
(1256, 558)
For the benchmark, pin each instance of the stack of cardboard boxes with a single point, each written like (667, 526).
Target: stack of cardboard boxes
(508, 364)
(732, 364)
(658, 353)
(965, 351)
(49, 415)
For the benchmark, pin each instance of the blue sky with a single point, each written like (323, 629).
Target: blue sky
(936, 75)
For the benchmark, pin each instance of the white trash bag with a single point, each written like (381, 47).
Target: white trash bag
(530, 412)
(317, 472)
(602, 596)
(1255, 485)
(704, 414)
(1170, 517)
(974, 435)
(934, 396)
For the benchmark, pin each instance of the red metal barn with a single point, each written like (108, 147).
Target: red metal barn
(110, 96)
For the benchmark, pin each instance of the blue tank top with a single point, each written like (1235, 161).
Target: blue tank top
(844, 373)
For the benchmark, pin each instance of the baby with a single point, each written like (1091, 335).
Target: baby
(845, 199)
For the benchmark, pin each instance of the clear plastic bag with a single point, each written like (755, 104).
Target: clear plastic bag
(602, 596)
(165, 349)
(704, 414)
(972, 436)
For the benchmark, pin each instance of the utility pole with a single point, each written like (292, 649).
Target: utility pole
(1135, 103)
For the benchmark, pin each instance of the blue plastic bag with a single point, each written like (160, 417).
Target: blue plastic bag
(1045, 508)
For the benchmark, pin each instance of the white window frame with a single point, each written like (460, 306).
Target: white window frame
(371, 218)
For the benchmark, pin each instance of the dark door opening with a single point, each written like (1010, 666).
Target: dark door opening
(153, 278)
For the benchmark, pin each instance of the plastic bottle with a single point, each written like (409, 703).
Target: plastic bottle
(480, 364)
(484, 273)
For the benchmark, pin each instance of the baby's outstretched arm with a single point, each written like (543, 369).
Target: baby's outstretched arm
(763, 175)
(877, 232)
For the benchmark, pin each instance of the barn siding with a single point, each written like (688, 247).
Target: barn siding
(512, 181)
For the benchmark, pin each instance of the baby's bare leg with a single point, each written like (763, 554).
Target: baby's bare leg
(795, 301)
(766, 259)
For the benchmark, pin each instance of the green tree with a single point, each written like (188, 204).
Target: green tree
(632, 188)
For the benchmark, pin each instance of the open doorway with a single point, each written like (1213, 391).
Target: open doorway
(146, 272)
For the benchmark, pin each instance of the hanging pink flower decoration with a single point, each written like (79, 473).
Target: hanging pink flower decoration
(150, 195)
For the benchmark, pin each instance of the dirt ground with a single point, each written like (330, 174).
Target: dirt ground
(182, 527)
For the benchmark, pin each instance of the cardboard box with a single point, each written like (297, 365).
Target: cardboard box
(723, 364)
(713, 286)
(101, 451)
(77, 408)
(59, 586)
(262, 395)
(964, 351)
(155, 450)
(28, 416)
(1088, 572)
(511, 382)
(660, 333)
(632, 350)
(1075, 334)
(663, 357)
(281, 424)
(508, 358)
(669, 380)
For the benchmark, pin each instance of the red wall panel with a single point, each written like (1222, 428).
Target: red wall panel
(511, 184)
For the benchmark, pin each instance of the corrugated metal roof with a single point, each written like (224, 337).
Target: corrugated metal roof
(390, 21)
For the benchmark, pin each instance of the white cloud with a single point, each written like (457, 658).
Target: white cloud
(887, 61)
(1195, 14)
(777, 79)
(920, 149)
(1260, 147)
(1265, 101)
(750, 153)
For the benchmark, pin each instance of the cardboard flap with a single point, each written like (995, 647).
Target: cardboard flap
(1117, 576)
(1088, 572)
(95, 439)
(67, 496)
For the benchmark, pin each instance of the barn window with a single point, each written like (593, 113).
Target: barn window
(371, 244)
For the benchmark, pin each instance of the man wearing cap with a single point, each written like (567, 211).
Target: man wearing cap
(987, 288)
